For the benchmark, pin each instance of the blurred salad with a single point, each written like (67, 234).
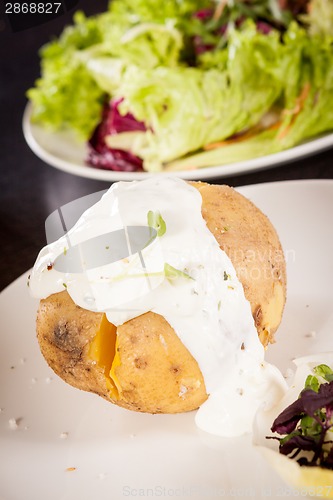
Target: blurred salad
(187, 84)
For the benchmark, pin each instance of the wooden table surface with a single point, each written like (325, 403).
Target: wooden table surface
(30, 189)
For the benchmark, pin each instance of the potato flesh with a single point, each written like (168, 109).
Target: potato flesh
(102, 350)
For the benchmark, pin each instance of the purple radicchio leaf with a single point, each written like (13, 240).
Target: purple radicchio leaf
(307, 404)
(313, 401)
(204, 14)
(328, 464)
(286, 422)
(100, 155)
(117, 123)
(297, 442)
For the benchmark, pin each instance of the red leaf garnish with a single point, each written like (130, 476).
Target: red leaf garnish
(100, 155)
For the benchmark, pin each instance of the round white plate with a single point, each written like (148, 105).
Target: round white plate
(63, 151)
(110, 453)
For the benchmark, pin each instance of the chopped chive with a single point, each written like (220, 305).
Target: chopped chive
(172, 273)
(156, 221)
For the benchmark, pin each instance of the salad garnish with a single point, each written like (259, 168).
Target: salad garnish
(306, 426)
(190, 84)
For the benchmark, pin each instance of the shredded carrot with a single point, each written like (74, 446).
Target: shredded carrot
(284, 132)
(214, 145)
(297, 109)
(219, 9)
(275, 126)
(299, 101)
(241, 137)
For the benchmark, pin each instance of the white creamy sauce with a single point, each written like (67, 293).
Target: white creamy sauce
(207, 308)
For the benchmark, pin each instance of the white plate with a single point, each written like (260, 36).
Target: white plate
(63, 151)
(117, 453)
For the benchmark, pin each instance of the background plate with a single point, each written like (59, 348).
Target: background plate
(117, 453)
(63, 151)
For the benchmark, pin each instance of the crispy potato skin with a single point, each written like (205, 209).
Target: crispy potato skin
(154, 372)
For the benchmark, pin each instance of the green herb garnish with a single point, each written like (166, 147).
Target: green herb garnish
(324, 372)
(312, 383)
(156, 221)
(171, 273)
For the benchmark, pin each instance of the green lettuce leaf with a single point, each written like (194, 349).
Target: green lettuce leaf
(67, 95)
(142, 11)
(148, 33)
(320, 18)
(306, 100)
(186, 108)
(88, 59)
(308, 93)
(146, 45)
(261, 144)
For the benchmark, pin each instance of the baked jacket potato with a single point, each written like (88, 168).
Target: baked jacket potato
(142, 365)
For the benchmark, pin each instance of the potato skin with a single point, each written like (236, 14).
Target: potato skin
(64, 333)
(251, 242)
(154, 372)
(157, 374)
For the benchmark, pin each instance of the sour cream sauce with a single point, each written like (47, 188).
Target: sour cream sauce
(205, 305)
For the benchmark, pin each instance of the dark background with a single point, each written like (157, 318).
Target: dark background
(29, 189)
